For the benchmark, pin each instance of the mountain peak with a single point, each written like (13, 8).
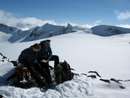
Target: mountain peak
(8, 29)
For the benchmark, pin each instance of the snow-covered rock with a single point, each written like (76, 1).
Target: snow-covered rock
(8, 29)
(39, 32)
(47, 30)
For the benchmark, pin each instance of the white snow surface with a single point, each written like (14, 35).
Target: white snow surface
(4, 37)
(84, 52)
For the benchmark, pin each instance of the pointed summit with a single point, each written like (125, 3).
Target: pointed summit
(69, 28)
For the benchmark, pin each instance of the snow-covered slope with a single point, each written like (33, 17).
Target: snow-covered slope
(106, 30)
(4, 37)
(13, 33)
(82, 49)
(84, 52)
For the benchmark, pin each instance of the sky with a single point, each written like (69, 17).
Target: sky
(85, 12)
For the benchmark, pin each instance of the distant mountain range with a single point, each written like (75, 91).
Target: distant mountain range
(106, 30)
(35, 33)
(48, 30)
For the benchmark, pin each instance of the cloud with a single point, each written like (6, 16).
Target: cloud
(124, 25)
(7, 18)
(30, 22)
(123, 15)
(23, 23)
(97, 22)
(90, 25)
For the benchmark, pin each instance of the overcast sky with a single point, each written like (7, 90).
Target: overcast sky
(90, 12)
